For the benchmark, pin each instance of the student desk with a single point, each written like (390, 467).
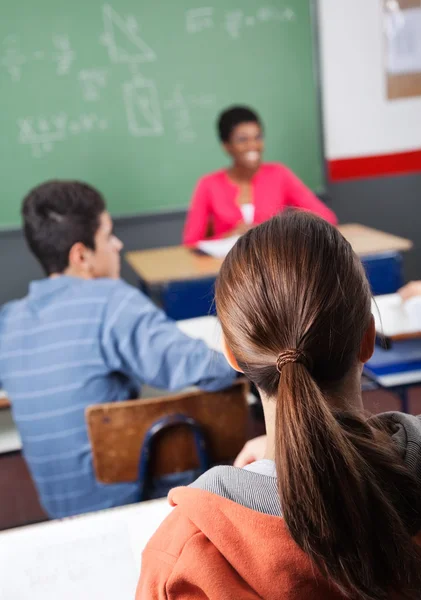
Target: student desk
(178, 263)
(397, 369)
(97, 555)
(159, 268)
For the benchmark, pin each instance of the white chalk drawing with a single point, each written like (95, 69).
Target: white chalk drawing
(265, 14)
(122, 40)
(43, 133)
(234, 22)
(271, 13)
(64, 55)
(92, 81)
(179, 107)
(199, 19)
(13, 59)
(142, 107)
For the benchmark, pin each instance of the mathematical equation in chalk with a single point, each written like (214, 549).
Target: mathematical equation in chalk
(43, 133)
(235, 21)
(14, 60)
(179, 107)
(125, 51)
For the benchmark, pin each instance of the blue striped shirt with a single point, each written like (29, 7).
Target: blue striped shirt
(72, 343)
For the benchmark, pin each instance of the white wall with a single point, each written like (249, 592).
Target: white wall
(359, 120)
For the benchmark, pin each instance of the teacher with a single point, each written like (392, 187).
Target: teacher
(231, 201)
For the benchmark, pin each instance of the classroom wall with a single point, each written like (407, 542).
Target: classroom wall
(359, 120)
(363, 129)
(358, 123)
(369, 140)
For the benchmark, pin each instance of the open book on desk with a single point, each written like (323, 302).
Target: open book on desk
(94, 556)
(217, 248)
(396, 320)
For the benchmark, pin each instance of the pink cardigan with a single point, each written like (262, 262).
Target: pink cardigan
(274, 187)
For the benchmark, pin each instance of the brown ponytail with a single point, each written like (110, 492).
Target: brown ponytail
(294, 305)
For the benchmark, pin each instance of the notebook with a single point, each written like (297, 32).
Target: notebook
(91, 557)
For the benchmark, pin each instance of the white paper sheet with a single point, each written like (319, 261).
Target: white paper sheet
(403, 31)
(392, 316)
(94, 557)
(207, 329)
(217, 248)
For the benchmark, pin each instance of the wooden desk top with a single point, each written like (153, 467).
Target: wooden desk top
(178, 263)
(175, 263)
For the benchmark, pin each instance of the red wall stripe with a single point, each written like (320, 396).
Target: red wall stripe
(375, 166)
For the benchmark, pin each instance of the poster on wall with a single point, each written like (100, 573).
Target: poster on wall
(402, 23)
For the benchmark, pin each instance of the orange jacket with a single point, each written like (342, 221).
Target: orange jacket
(210, 547)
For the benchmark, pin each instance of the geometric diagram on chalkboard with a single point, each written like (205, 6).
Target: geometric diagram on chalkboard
(181, 116)
(92, 80)
(122, 39)
(142, 107)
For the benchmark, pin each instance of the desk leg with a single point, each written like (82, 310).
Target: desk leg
(403, 396)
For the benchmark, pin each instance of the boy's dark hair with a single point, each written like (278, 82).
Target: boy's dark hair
(233, 116)
(57, 215)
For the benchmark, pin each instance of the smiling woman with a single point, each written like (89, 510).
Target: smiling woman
(231, 201)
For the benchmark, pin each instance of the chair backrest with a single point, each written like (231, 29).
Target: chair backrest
(189, 299)
(117, 431)
(384, 272)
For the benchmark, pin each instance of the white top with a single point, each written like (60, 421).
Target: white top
(247, 211)
(263, 467)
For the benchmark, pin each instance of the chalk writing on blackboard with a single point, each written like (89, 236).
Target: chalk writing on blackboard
(13, 59)
(142, 107)
(271, 13)
(199, 19)
(122, 39)
(64, 54)
(43, 133)
(181, 116)
(92, 81)
(237, 20)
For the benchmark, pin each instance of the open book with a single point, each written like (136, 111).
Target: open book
(395, 319)
(95, 556)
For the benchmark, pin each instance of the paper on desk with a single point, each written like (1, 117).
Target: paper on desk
(207, 329)
(83, 558)
(395, 317)
(217, 248)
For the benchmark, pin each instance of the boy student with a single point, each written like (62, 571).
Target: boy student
(82, 336)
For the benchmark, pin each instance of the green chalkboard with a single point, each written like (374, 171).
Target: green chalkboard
(125, 95)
